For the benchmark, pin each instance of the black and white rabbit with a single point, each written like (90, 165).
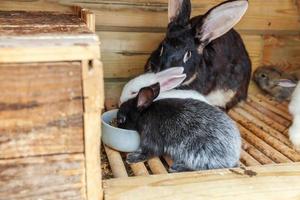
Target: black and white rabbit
(212, 53)
(193, 133)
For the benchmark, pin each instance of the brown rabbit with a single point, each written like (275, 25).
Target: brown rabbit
(275, 82)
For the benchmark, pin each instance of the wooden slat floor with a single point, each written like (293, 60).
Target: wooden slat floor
(263, 125)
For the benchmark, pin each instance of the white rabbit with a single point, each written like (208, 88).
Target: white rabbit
(168, 80)
(294, 108)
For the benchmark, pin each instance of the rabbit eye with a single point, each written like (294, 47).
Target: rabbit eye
(187, 56)
(133, 93)
(121, 119)
(263, 76)
(161, 51)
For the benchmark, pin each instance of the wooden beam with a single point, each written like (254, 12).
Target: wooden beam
(274, 182)
(92, 80)
(48, 54)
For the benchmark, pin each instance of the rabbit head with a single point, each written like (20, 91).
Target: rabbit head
(129, 111)
(275, 82)
(185, 39)
(168, 79)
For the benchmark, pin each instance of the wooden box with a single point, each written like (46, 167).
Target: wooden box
(129, 30)
(51, 99)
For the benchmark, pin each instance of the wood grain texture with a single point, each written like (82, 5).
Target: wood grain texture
(116, 163)
(267, 137)
(263, 126)
(282, 51)
(255, 153)
(15, 23)
(92, 80)
(40, 18)
(92, 138)
(113, 89)
(124, 54)
(272, 15)
(263, 118)
(49, 53)
(34, 5)
(261, 145)
(248, 160)
(45, 36)
(47, 177)
(268, 113)
(262, 182)
(40, 109)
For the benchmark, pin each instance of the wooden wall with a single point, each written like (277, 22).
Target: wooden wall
(130, 29)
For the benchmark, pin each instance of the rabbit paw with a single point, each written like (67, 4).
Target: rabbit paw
(178, 167)
(136, 157)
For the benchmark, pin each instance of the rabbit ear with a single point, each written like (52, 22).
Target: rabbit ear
(170, 78)
(179, 11)
(286, 83)
(171, 82)
(147, 95)
(169, 72)
(220, 19)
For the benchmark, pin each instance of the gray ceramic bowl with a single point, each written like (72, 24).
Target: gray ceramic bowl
(117, 138)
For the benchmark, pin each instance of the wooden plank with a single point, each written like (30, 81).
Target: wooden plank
(20, 23)
(274, 142)
(282, 51)
(92, 80)
(273, 15)
(263, 126)
(270, 107)
(269, 113)
(17, 19)
(34, 5)
(92, 77)
(113, 90)
(256, 154)
(92, 138)
(156, 166)
(248, 160)
(273, 102)
(125, 53)
(49, 53)
(41, 109)
(262, 146)
(89, 18)
(116, 163)
(269, 121)
(168, 160)
(46, 177)
(139, 169)
(260, 182)
(123, 65)
(45, 36)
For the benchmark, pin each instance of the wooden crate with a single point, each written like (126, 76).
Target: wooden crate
(270, 168)
(51, 98)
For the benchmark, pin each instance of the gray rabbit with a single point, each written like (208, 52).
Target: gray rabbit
(275, 82)
(193, 133)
